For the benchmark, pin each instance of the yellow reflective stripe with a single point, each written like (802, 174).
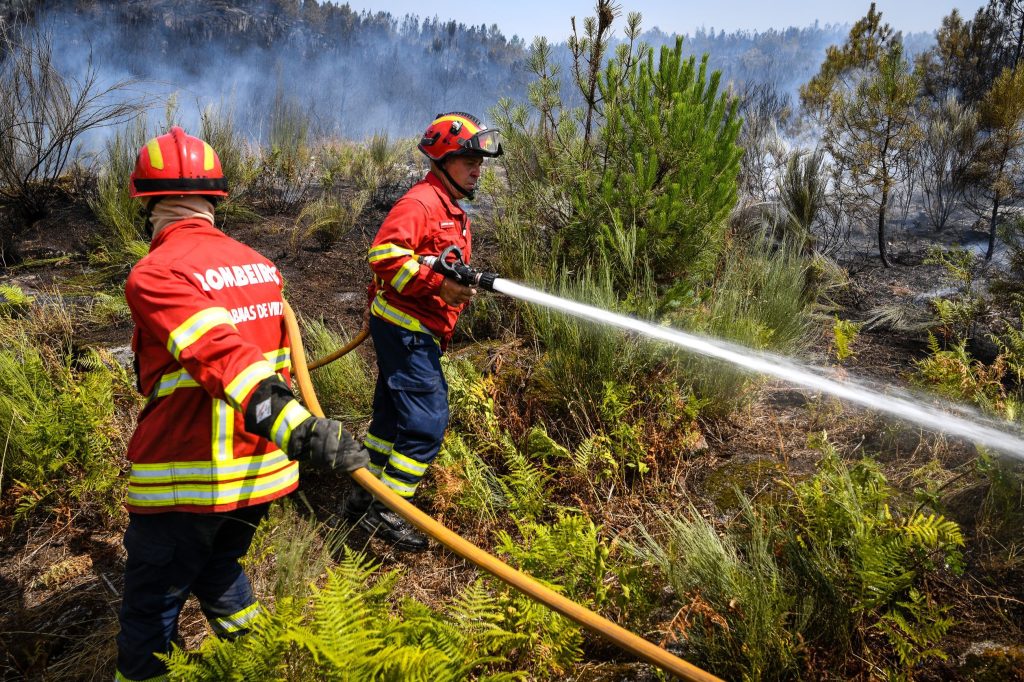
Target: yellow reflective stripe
(156, 157)
(381, 309)
(375, 469)
(409, 269)
(291, 416)
(388, 250)
(236, 621)
(376, 444)
(246, 381)
(118, 677)
(223, 431)
(400, 487)
(214, 493)
(279, 359)
(406, 464)
(169, 383)
(241, 467)
(192, 329)
(207, 157)
(469, 125)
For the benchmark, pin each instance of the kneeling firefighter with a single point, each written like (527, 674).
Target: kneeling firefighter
(220, 431)
(413, 311)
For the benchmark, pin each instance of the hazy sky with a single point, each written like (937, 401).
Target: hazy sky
(528, 18)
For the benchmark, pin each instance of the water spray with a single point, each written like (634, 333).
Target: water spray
(977, 428)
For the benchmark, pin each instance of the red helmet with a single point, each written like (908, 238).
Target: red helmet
(458, 133)
(177, 163)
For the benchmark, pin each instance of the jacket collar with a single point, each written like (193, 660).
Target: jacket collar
(451, 204)
(181, 225)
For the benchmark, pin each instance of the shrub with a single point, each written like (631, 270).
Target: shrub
(829, 568)
(573, 554)
(345, 386)
(217, 127)
(954, 374)
(327, 219)
(959, 315)
(125, 242)
(760, 300)
(802, 195)
(61, 416)
(487, 465)
(381, 170)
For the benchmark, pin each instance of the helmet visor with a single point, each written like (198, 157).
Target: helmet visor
(487, 142)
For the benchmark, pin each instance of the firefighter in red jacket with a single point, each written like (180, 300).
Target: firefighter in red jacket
(220, 432)
(413, 310)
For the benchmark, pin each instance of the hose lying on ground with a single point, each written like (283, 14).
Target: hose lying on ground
(597, 624)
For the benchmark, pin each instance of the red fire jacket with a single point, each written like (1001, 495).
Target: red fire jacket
(423, 222)
(209, 327)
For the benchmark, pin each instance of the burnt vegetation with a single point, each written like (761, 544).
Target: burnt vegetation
(848, 196)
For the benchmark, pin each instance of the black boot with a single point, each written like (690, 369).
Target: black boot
(356, 503)
(390, 527)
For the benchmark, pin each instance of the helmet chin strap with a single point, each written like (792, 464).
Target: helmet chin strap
(467, 193)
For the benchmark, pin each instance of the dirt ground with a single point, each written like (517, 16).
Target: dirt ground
(60, 578)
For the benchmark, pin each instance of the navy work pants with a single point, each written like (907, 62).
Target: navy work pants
(410, 406)
(170, 555)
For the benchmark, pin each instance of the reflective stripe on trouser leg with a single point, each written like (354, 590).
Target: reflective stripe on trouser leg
(237, 623)
(411, 401)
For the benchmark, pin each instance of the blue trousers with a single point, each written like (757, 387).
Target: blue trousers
(170, 555)
(410, 406)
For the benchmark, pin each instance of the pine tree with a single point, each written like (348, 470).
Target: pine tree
(864, 95)
(998, 170)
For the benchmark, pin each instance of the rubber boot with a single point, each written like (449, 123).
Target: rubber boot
(390, 527)
(356, 504)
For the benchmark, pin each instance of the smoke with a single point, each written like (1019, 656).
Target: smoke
(348, 73)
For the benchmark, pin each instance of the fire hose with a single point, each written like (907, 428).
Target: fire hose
(624, 639)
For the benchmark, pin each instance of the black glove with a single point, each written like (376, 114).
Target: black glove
(326, 443)
(274, 414)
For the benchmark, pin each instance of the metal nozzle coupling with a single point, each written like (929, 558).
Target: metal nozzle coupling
(457, 269)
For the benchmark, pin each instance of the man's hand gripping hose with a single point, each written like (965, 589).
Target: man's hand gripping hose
(597, 624)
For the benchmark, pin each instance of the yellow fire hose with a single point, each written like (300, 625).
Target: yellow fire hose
(597, 624)
(344, 350)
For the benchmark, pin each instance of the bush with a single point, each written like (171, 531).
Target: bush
(125, 241)
(217, 128)
(824, 567)
(328, 219)
(62, 417)
(345, 386)
(382, 169)
(760, 300)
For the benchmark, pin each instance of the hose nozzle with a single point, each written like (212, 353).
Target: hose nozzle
(455, 268)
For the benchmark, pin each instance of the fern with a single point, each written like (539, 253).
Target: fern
(524, 485)
(844, 333)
